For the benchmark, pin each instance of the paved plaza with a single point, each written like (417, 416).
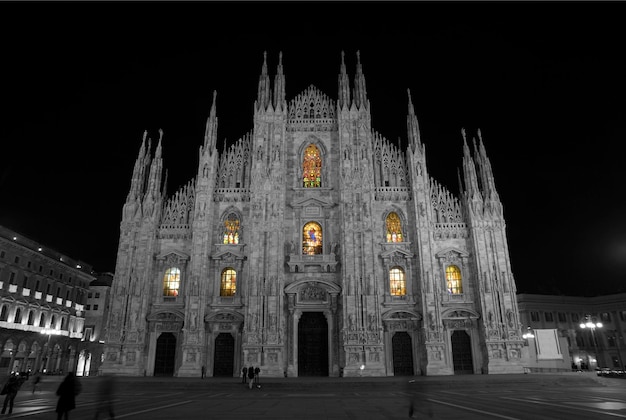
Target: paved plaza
(530, 396)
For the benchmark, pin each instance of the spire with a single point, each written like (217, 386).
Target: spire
(264, 93)
(210, 133)
(469, 172)
(488, 182)
(360, 92)
(413, 127)
(344, 85)
(156, 170)
(137, 180)
(279, 86)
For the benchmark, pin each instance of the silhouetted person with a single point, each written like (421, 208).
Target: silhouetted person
(106, 390)
(203, 371)
(10, 387)
(67, 392)
(244, 375)
(250, 376)
(256, 375)
(418, 403)
(36, 381)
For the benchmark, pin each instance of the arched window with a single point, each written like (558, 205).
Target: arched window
(231, 229)
(31, 318)
(312, 167)
(4, 313)
(397, 283)
(171, 282)
(453, 280)
(53, 323)
(63, 323)
(42, 320)
(228, 283)
(18, 316)
(312, 239)
(394, 228)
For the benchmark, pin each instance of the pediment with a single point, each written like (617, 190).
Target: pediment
(451, 251)
(224, 316)
(401, 315)
(311, 202)
(402, 253)
(173, 256)
(456, 313)
(228, 255)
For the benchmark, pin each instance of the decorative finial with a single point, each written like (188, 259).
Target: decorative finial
(358, 57)
(463, 134)
(280, 58)
(160, 134)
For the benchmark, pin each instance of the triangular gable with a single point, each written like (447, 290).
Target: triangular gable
(392, 252)
(446, 251)
(228, 254)
(311, 202)
(173, 254)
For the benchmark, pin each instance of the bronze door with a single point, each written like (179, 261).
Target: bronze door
(462, 352)
(224, 355)
(402, 354)
(165, 357)
(312, 345)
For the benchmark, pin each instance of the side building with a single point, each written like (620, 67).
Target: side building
(580, 348)
(313, 246)
(41, 306)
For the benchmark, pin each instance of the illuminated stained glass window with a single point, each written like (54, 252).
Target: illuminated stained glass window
(171, 282)
(397, 284)
(394, 228)
(453, 280)
(312, 167)
(312, 239)
(231, 229)
(228, 284)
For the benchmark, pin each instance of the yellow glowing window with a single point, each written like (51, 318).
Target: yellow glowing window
(231, 229)
(453, 280)
(228, 284)
(397, 284)
(394, 228)
(312, 239)
(312, 167)
(171, 282)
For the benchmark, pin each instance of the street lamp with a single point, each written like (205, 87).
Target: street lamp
(589, 323)
(528, 334)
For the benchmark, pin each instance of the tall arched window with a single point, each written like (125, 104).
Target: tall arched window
(18, 316)
(31, 318)
(397, 283)
(53, 323)
(228, 283)
(171, 282)
(312, 167)
(312, 239)
(4, 313)
(453, 280)
(394, 228)
(42, 320)
(231, 229)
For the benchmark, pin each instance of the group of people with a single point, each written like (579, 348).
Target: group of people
(250, 376)
(67, 391)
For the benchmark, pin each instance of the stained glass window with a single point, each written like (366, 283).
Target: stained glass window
(312, 167)
(228, 284)
(397, 284)
(231, 229)
(171, 282)
(453, 280)
(312, 239)
(394, 228)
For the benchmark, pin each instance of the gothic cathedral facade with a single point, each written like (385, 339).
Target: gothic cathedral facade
(313, 247)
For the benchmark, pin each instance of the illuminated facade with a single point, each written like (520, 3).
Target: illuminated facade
(41, 306)
(313, 246)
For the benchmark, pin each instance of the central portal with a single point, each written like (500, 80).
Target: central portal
(312, 344)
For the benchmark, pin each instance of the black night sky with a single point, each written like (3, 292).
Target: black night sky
(545, 82)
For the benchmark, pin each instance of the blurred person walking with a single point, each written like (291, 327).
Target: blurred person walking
(67, 392)
(36, 381)
(244, 375)
(418, 402)
(10, 389)
(106, 389)
(250, 376)
(257, 370)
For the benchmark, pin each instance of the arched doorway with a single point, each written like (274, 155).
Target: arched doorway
(224, 355)
(312, 344)
(462, 353)
(165, 356)
(402, 354)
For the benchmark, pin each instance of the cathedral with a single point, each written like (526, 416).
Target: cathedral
(313, 246)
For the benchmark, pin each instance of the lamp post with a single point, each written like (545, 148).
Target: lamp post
(592, 325)
(528, 334)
